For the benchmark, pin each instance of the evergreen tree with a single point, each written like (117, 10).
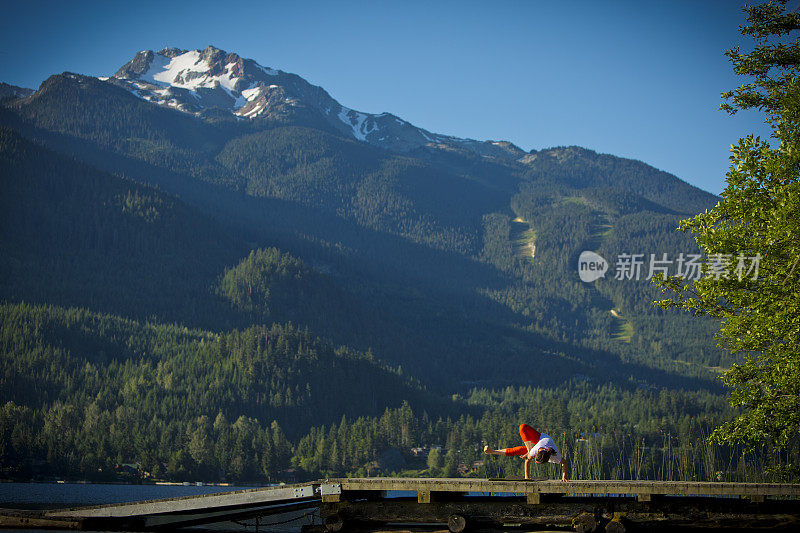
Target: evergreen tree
(752, 241)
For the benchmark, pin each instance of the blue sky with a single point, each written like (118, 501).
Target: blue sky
(631, 78)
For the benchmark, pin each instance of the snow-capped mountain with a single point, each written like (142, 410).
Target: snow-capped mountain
(195, 80)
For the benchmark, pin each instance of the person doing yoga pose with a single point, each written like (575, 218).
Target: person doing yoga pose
(538, 447)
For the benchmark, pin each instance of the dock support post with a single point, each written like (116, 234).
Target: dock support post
(534, 498)
(456, 523)
(424, 496)
(331, 492)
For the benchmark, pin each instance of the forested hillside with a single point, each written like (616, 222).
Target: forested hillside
(88, 392)
(85, 390)
(77, 236)
(229, 289)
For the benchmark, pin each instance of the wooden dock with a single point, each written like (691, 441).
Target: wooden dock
(458, 504)
(174, 513)
(585, 506)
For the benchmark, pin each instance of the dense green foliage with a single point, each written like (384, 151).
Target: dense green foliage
(606, 433)
(84, 391)
(73, 235)
(623, 182)
(387, 193)
(270, 279)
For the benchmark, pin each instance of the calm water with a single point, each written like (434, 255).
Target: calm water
(54, 495)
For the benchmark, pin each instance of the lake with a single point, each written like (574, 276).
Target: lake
(61, 495)
(55, 495)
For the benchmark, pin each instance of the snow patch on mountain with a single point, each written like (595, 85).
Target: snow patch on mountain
(252, 92)
(356, 120)
(165, 71)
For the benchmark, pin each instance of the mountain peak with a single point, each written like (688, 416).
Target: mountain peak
(191, 80)
(194, 80)
(173, 52)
